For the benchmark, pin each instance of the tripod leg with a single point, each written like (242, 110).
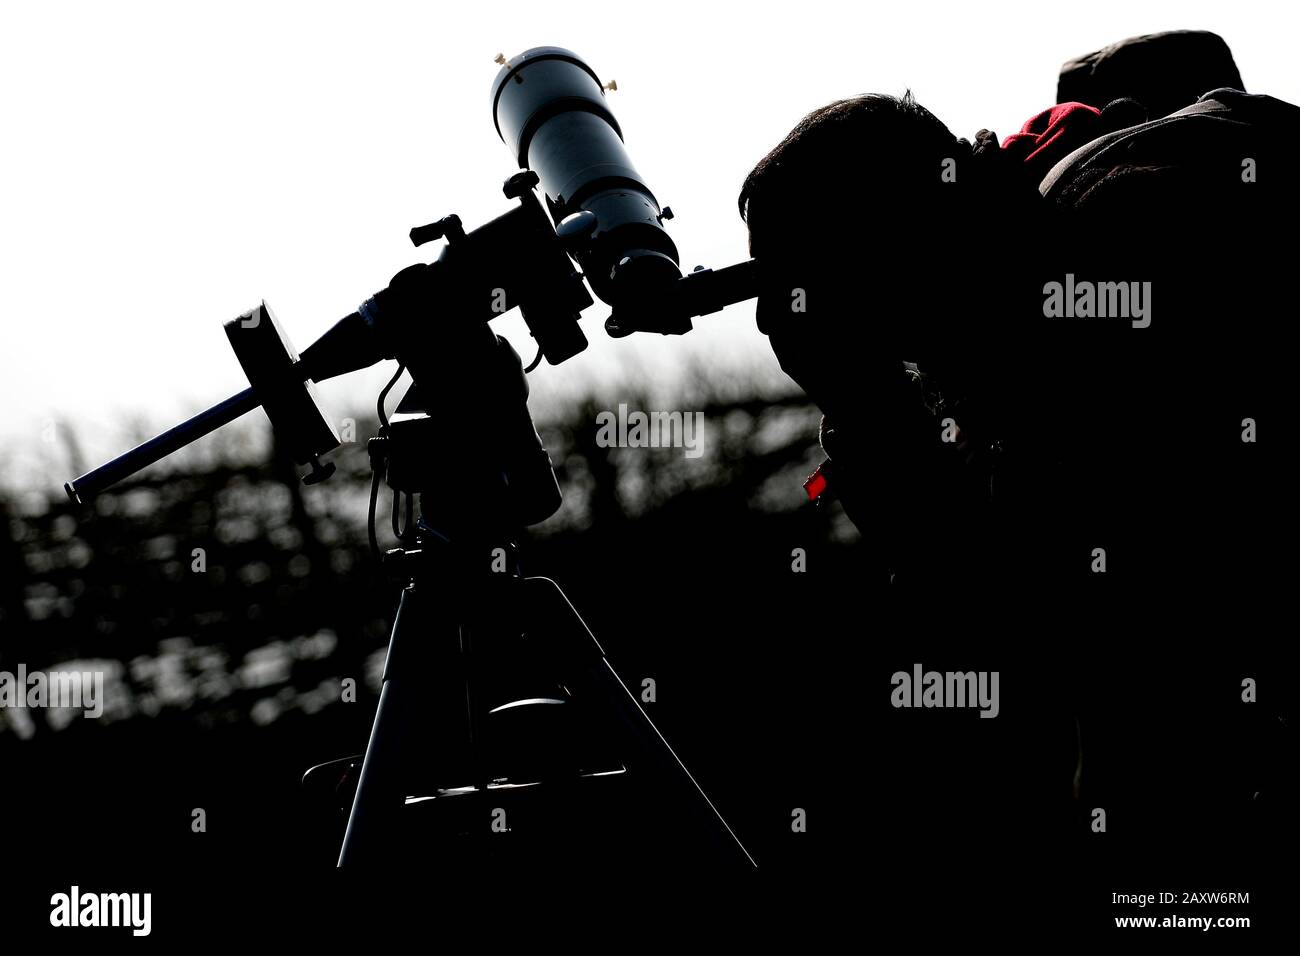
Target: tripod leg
(419, 651)
(589, 675)
(377, 799)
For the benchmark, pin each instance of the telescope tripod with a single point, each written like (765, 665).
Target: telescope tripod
(443, 722)
(496, 697)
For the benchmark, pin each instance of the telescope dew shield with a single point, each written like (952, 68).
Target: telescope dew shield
(549, 109)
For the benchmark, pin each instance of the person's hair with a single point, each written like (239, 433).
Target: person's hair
(871, 155)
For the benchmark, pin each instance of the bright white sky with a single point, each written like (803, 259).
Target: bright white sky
(167, 165)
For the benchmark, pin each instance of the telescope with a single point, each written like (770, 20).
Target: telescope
(599, 223)
(595, 223)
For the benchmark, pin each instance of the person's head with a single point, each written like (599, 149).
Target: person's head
(866, 221)
(849, 216)
(868, 168)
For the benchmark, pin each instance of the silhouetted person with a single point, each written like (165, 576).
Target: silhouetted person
(1063, 494)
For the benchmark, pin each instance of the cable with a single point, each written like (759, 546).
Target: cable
(537, 360)
(376, 476)
(379, 405)
(400, 532)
